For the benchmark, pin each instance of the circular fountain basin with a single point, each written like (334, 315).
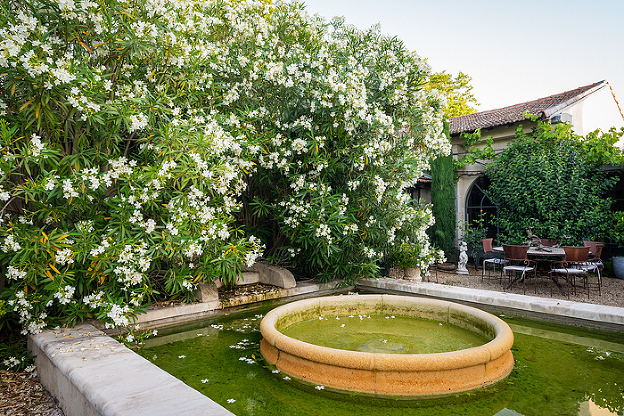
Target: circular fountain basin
(386, 373)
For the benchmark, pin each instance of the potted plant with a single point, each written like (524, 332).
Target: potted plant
(617, 236)
(395, 270)
(408, 258)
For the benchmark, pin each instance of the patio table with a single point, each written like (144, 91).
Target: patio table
(546, 254)
(534, 251)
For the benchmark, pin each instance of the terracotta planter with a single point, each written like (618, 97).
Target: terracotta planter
(396, 272)
(413, 274)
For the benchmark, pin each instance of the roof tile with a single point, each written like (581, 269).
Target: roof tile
(513, 113)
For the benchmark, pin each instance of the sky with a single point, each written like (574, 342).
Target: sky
(515, 51)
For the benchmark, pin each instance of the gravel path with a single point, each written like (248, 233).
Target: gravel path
(23, 395)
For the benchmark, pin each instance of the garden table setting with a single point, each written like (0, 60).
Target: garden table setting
(548, 255)
(542, 252)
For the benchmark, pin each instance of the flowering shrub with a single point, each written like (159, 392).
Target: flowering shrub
(149, 145)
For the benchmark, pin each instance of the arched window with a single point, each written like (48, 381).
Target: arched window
(478, 205)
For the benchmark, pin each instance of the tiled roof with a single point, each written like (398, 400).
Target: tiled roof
(507, 115)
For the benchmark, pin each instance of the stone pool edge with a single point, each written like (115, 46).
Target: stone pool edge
(81, 366)
(91, 374)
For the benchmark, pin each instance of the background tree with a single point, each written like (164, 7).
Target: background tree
(457, 92)
(547, 180)
(443, 202)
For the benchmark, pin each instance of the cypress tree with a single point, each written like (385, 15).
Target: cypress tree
(443, 200)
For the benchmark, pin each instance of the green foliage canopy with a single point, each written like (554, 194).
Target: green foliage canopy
(457, 92)
(546, 180)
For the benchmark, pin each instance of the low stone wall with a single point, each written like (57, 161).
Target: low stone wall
(91, 374)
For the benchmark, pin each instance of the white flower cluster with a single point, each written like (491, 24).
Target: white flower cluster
(64, 257)
(10, 244)
(65, 294)
(4, 195)
(188, 285)
(119, 316)
(14, 273)
(323, 231)
(370, 253)
(133, 263)
(36, 145)
(94, 300)
(295, 212)
(257, 248)
(193, 250)
(104, 245)
(68, 190)
(31, 324)
(138, 122)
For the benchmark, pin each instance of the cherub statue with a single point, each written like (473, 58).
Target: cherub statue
(463, 258)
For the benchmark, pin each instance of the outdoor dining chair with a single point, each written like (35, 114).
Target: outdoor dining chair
(548, 242)
(594, 263)
(490, 257)
(519, 264)
(569, 267)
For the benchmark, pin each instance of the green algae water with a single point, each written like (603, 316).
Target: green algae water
(384, 334)
(559, 370)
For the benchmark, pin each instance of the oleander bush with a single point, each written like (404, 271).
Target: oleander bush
(150, 145)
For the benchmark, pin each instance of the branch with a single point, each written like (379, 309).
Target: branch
(9, 203)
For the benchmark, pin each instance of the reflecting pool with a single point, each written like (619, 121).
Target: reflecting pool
(391, 334)
(559, 370)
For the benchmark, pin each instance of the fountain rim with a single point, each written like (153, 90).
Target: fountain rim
(498, 346)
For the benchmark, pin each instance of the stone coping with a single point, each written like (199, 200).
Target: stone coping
(171, 315)
(91, 374)
(385, 373)
(608, 317)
